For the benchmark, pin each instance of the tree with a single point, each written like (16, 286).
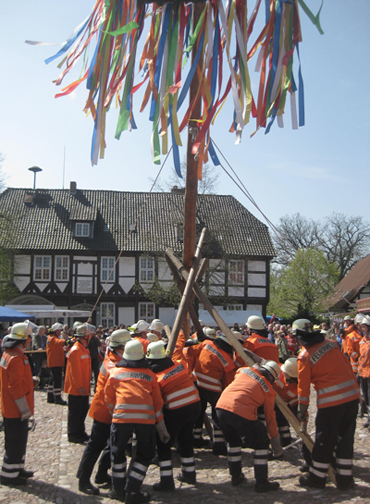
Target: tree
(344, 240)
(299, 289)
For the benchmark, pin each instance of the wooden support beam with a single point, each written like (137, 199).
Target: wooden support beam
(187, 294)
(248, 360)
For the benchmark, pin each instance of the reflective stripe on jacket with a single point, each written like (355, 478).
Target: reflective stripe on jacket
(329, 371)
(15, 381)
(99, 410)
(133, 396)
(78, 372)
(246, 393)
(176, 386)
(262, 347)
(353, 350)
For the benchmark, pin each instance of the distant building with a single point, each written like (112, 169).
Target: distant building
(70, 245)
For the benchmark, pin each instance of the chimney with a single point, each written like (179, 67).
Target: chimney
(73, 188)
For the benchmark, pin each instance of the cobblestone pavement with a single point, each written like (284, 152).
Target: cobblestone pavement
(55, 463)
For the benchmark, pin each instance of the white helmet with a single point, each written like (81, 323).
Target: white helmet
(272, 367)
(119, 338)
(85, 329)
(76, 324)
(201, 323)
(140, 326)
(358, 319)
(255, 322)
(223, 337)
(156, 325)
(366, 320)
(238, 335)
(347, 317)
(56, 327)
(209, 333)
(156, 350)
(290, 367)
(152, 337)
(21, 331)
(133, 350)
(303, 325)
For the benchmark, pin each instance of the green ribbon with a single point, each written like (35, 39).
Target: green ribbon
(314, 19)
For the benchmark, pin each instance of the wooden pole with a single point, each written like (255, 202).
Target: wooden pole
(240, 349)
(187, 295)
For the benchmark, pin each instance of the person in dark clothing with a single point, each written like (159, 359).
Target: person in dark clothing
(93, 347)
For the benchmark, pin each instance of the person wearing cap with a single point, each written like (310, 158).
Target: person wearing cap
(321, 363)
(77, 384)
(133, 397)
(17, 403)
(236, 412)
(100, 431)
(180, 411)
(258, 341)
(55, 354)
(364, 369)
(353, 340)
(214, 369)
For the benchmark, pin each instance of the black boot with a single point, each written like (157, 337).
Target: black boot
(189, 477)
(236, 480)
(164, 486)
(26, 474)
(112, 494)
(102, 476)
(60, 401)
(87, 488)
(264, 485)
(13, 481)
(137, 497)
(310, 481)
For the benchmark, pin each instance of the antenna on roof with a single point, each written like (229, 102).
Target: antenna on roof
(64, 165)
(34, 169)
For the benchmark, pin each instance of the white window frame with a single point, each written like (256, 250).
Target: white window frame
(146, 269)
(82, 229)
(106, 269)
(234, 307)
(236, 272)
(107, 314)
(147, 312)
(43, 268)
(62, 268)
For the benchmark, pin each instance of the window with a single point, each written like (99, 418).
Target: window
(107, 314)
(236, 272)
(234, 307)
(42, 268)
(82, 229)
(107, 267)
(146, 273)
(61, 268)
(146, 311)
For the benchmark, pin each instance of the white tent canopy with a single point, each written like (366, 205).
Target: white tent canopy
(230, 317)
(49, 311)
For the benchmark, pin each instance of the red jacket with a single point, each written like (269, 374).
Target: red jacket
(214, 368)
(78, 372)
(99, 410)
(246, 393)
(15, 381)
(133, 396)
(328, 369)
(55, 351)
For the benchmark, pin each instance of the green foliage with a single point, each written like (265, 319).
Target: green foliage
(299, 289)
(158, 295)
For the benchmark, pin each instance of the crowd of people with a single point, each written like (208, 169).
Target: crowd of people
(145, 401)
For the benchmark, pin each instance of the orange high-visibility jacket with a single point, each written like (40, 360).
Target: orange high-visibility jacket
(176, 386)
(364, 359)
(347, 332)
(287, 391)
(214, 368)
(133, 396)
(353, 340)
(55, 351)
(15, 381)
(144, 341)
(262, 347)
(328, 369)
(246, 393)
(78, 372)
(99, 410)
(177, 355)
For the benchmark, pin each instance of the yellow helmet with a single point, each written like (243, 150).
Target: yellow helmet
(21, 331)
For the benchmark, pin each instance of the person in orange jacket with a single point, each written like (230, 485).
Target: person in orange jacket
(139, 332)
(17, 403)
(214, 369)
(258, 341)
(134, 399)
(353, 340)
(77, 384)
(364, 368)
(347, 329)
(236, 412)
(100, 430)
(55, 354)
(322, 364)
(180, 411)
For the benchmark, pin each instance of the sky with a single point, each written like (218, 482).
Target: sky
(316, 170)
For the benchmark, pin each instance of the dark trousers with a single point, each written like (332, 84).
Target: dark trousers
(16, 435)
(100, 433)
(145, 451)
(365, 395)
(208, 396)
(234, 428)
(78, 406)
(57, 376)
(335, 431)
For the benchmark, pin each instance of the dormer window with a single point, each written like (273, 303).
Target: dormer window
(82, 229)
